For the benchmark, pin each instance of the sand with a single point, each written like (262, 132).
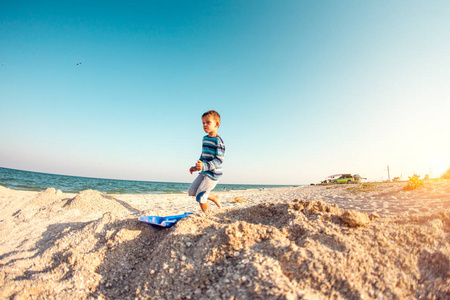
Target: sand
(373, 241)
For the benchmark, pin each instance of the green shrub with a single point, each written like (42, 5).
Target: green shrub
(414, 182)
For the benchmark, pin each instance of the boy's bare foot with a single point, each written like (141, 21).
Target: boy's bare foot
(215, 199)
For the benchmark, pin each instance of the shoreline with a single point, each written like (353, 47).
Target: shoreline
(39, 182)
(39, 190)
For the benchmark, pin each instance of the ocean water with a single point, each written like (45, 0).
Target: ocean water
(34, 181)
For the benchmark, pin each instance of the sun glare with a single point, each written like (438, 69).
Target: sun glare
(437, 165)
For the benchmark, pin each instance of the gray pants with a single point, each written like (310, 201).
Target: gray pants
(201, 187)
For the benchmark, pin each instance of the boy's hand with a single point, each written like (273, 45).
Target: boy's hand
(193, 169)
(199, 165)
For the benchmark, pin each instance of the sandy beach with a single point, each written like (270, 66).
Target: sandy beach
(373, 241)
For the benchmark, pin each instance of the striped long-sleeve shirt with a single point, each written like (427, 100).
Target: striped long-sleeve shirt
(213, 151)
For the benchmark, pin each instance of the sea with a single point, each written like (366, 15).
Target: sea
(35, 181)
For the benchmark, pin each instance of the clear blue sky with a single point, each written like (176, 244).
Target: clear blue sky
(306, 89)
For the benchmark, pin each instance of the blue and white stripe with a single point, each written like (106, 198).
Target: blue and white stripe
(213, 151)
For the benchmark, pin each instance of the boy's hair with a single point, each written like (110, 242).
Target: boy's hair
(213, 114)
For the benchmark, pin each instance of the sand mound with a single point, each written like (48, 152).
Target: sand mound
(46, 197)
(43, 205)
(90, 201)
(299, 249)
(4, 190)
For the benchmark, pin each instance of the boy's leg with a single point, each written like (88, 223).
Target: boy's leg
(202, 194)
(215, 199)
(192, 191)
(204, 206)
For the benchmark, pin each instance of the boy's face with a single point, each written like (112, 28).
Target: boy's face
(210, 125)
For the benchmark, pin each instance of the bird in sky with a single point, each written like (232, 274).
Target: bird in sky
(78, 64)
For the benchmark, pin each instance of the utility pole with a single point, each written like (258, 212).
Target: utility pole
(389, 176)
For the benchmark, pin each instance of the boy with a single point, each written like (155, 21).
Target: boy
(210, 162)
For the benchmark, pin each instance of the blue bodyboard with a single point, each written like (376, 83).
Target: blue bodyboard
(166, 222)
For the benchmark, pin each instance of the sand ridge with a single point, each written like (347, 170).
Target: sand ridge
(305, 242)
